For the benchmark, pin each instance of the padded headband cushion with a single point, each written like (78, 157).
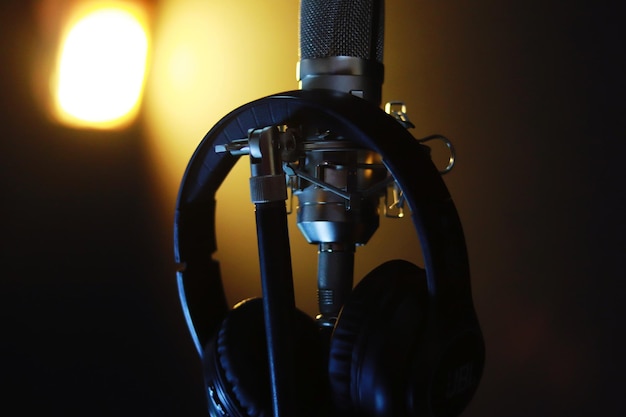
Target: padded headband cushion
(374, 336)
(242, 357)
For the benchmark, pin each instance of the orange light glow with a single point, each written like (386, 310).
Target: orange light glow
(101, 67)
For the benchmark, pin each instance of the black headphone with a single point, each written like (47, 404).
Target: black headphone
(407, 341)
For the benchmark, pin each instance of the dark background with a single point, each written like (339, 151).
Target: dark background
(90, 316)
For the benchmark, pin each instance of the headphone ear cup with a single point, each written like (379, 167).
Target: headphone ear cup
(236, 364)
(376, 334)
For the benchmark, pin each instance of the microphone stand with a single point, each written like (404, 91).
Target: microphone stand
(268, 190)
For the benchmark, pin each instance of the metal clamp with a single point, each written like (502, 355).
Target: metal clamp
(448, 143)
(397, 109)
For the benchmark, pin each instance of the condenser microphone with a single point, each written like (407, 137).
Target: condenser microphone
(341, 49)
(341, 46)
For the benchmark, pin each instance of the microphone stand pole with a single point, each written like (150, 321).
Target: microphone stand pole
(268, 191)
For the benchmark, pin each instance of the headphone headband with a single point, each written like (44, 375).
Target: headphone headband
(433, 211)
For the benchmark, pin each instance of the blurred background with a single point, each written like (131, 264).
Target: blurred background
(532, 95)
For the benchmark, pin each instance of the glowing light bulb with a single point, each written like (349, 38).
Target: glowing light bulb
(101, 69)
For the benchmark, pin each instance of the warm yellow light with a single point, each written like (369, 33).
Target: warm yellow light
(101, 69)
(209, 58)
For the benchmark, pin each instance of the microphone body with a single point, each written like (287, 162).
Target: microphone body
(341, 49)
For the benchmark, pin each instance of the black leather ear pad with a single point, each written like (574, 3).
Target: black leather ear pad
(374, 339)
(236, 364)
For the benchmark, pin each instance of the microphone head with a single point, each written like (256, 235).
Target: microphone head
(341, 46)
(342, 28)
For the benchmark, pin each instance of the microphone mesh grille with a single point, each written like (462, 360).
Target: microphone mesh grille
(342, 28)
